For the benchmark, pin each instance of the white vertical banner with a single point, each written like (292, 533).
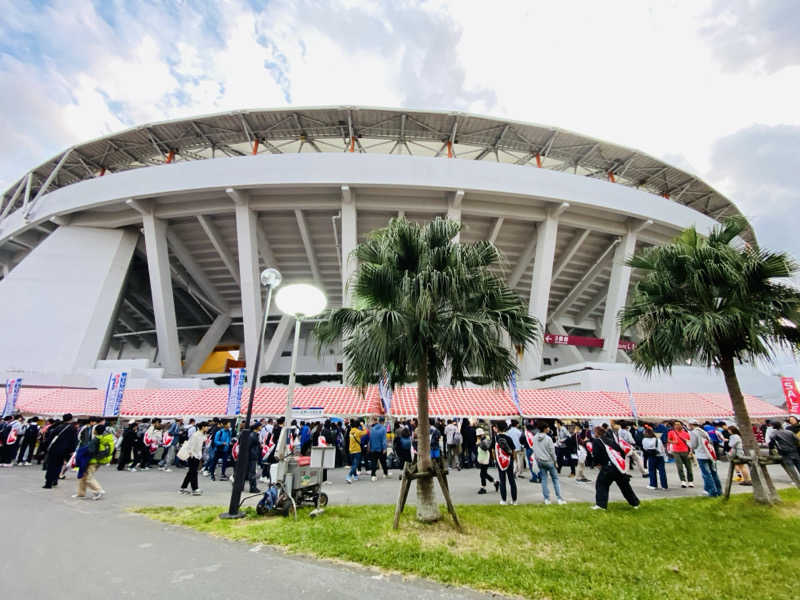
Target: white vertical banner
(115, 388)
(12, 393)
(385, 391)
(235, 388)
(512, 386)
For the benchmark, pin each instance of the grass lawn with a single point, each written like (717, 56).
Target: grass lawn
(681, 548)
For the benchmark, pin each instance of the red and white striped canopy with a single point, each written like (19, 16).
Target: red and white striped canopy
(442, 402)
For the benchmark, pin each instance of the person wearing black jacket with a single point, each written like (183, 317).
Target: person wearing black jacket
(503, 443)
(28, 442)
(255, 456)
(608, 472)
(62, 444)
(127, 445)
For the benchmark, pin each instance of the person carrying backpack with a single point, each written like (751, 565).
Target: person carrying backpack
(484, 456)
(99, 451)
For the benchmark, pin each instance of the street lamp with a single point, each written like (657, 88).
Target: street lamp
(270, 279)
(299, 300)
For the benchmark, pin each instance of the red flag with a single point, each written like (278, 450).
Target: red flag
(235, 451)
(709, 447)
(12, 438)
(503, 459)
(616, 458)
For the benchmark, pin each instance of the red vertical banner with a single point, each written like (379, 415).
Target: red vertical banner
(792, 395)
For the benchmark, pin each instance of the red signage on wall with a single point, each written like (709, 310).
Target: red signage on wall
(792, 395)
(578, 340)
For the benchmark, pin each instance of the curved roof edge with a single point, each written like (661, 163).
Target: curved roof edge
(366, 129)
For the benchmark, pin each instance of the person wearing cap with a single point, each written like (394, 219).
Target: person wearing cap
(703, 449)
(484, 455)
(99, 450)
(679, 448)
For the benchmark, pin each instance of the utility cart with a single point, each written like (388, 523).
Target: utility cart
(298, 482)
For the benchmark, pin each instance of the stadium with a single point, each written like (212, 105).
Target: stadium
(140, 252)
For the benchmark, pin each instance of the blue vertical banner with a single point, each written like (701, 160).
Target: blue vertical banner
(12, 393)
(512, 386)
(385, 391)
(632, 401)
(115, 388)
(235, 392)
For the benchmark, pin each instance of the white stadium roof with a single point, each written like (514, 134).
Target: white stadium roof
(366, 130)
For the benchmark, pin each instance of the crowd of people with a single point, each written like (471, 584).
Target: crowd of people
(501, 451)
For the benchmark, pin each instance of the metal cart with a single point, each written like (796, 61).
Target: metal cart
(298, 482)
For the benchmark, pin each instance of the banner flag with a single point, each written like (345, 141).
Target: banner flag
(12, 393)
(633, 402)
(792, 395)
(235, 389)
(512, 386)
(115, 388)
(385, 391)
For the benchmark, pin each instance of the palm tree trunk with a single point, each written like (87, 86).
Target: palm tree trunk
(762, 490)
(427, 508)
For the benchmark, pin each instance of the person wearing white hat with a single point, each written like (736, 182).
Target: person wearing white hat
(484, 454)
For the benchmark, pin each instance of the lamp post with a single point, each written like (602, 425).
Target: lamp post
(299, 300)
(270, 278)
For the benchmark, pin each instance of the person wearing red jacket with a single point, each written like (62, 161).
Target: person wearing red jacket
(678, 439)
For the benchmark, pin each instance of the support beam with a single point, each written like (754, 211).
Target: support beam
(306, 237)
(196, 272)
(545, 250)
(617, 293)
(498, 224)
(349, 242)
(169, 350)
(277, 342)
(454, 209)
(216, 240)
(569, 252)
(206, 345)
(585, 282)
(591, 306)
(524, 261)
(46, 185)
(247, 242)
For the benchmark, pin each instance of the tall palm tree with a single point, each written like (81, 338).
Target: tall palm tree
(423, 301)
(717, 301)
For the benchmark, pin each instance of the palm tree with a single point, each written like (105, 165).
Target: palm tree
(717, 301)
(423, 301)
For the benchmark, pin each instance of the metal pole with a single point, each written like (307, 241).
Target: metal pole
(240, 474)
(287, 418)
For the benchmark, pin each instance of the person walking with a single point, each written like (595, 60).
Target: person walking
(504, 453)
(127, 446)
(357, 431)
(100, 450)
(580, 445)
(623, 432)
(784, 442)
(377, 448)
(654, 455)
(703, 449)
(678, 440)
(452, 437)
(608, 455)
(192, 453)
(736, 450)
(62, 444)
(402, 448)
(483, 458)
(526, 441)
(544, 450)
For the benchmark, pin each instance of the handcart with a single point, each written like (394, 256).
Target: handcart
(297, 482)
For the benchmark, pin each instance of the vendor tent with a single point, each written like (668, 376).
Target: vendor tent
(446, 402)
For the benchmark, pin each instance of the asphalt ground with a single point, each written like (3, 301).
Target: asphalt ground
(54, 546)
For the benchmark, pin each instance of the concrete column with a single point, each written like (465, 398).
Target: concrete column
(617, 293)
(454, 209)
(207, 343)
(277, 343)
(546, 235)
(247, 243)
(155, 238)
(349, 241)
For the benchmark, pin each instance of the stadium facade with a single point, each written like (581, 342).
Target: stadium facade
(142, 249)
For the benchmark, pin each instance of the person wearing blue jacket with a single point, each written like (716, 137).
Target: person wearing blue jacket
(377, 448)
(222, 449)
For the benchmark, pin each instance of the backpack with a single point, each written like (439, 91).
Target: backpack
(503, 443)
(457, 439)
(485, 444)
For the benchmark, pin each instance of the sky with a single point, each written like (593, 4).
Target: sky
(709, 86)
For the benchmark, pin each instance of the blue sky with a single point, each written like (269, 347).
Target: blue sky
(710, 86)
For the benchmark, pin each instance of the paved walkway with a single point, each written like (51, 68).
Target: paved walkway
(54, 546)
